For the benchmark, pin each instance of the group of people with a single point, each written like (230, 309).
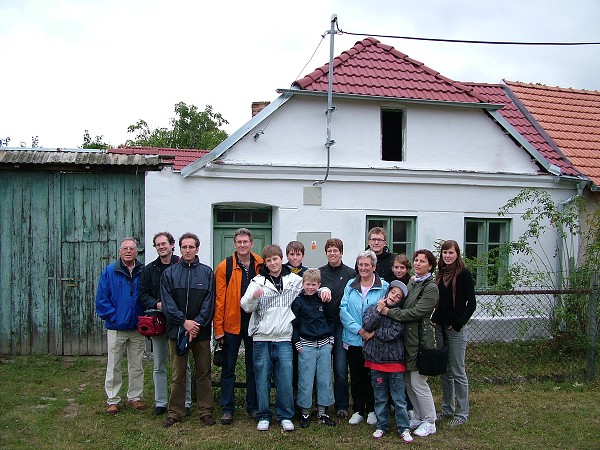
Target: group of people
(304, 330)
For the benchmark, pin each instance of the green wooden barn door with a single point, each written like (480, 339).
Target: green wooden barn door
(97, 211)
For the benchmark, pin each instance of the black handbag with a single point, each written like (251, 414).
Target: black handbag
(432, 361)
(218, 356)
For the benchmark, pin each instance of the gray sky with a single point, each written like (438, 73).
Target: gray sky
(101, 65)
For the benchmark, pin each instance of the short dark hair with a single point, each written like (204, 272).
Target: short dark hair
(166, 234)
(334, 242)
(189, 236)
(239, 231)
(430, 257)
(402, 259)
(294, 246)
(272, 250)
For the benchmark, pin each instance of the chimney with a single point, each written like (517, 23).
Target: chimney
(258, 107)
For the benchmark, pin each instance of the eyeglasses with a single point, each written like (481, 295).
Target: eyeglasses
(242, 242)
(188, 247)
(376, 240)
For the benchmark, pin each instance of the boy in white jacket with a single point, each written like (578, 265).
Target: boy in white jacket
(269, 298)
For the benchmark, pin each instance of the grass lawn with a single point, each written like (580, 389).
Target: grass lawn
(59, 403)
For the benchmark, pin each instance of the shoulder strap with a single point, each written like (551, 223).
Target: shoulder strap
(228, 269)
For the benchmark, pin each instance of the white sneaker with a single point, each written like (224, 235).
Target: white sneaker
(263, 425)
(371, 418)
(378, 434)
(414, 423)
(425, 429)
(287, 425)
(355, 419)
(405, 435)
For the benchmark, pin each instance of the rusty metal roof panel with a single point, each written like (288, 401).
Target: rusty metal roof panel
(42, 158)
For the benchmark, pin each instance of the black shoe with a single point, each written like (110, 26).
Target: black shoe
(208, 420)
(326, 420)
(305, 421)
(159, 410)
(227, 418)
(187, 411)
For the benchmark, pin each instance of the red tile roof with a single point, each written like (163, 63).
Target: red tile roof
(182, 156)
(571, 117)
(371, 68)
(495, 93)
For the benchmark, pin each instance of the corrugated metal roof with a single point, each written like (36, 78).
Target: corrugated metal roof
(495, 93)
(181, 156)
(571, 117)
(371, 68)
(77, 158)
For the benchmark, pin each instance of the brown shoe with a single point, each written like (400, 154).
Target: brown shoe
(136, 404)
(208, 420)
(113, 409)
(170, 422)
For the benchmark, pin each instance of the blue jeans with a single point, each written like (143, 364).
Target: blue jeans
(274, 359)
(340, 371)
(391, 383)
(314, 361)
(231, 348)
(159, 355)
(455, 383)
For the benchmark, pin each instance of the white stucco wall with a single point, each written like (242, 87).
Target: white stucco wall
(438, 138)
(459, 164)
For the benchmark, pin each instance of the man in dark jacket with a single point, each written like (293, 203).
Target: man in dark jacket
(188, 297)
(118, 305)
(164, 243)
(335, 275)
(385, 258)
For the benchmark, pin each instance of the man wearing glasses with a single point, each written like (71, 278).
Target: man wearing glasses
(385, 258)
(230, 323)
(188, 296)
(118, 305)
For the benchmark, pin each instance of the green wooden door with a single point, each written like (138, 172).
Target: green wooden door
(57, 232)
(227, 219)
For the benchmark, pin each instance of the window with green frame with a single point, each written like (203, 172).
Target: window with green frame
(484, 241)
(400, 232)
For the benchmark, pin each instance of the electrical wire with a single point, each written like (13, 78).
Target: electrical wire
(262, 130)
(465, 41)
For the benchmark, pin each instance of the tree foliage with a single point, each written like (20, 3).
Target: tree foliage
(190, 128)
(97, 143)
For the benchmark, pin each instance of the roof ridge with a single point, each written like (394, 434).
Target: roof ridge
(551, 88)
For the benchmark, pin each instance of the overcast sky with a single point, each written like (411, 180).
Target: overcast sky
(101, 65)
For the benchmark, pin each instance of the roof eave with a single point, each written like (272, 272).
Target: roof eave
(535, 154)
(218, 151)
(489, 106)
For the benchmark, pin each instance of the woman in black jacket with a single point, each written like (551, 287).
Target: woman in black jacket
(455, 307)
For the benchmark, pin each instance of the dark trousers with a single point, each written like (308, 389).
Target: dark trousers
(363, 400)
(231, 348)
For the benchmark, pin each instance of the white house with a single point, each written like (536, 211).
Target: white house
(423, 156)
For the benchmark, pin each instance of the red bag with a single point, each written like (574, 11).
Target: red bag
(152, 324)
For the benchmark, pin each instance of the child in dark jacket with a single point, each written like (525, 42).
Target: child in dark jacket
(313, 338)
(384, 355)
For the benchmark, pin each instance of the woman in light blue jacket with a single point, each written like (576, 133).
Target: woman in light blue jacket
(360, 293)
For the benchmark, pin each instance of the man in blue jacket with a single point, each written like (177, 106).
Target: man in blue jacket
(118, 305)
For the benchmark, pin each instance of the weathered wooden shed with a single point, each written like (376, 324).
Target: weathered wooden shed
(62, 216)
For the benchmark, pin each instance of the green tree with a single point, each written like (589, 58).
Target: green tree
(97, 143)
(190, 128)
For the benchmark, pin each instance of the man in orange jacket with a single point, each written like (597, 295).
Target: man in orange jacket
(230, 322)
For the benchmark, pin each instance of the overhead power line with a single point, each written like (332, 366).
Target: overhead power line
(466, 41)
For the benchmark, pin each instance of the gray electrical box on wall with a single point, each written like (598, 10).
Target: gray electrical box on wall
(314, 248)
(313, 195)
